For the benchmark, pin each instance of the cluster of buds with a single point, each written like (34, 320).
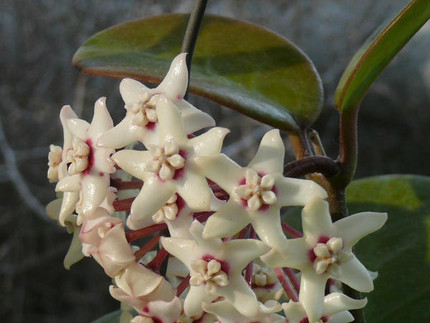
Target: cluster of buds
(188, 235)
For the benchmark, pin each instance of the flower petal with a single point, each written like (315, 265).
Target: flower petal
(195, 191)
(175, 82)
(270, 155)
(133, 161)
(356, 226)
(170, 122)
(355, 275)
(229, 220)
(193, 118)
(316, 220)
(240, 296)
(222, 170)
(296, 256)
(153, 195)
(335, 303)
(268, 226)
(69, 184)
(122, 135)
(311, 294)
(102, 120)
(210, 142)
(248, 249)
(292, 191)
(131, 90)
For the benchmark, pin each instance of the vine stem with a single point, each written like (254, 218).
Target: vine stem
(191, 34)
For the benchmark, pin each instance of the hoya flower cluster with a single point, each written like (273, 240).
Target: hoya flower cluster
(203, 240)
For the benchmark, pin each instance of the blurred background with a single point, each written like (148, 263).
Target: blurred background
(37, 42)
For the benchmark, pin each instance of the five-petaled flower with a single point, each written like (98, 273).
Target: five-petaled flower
(325, 251)
(170, 167)
(216, 270)
(257, 192)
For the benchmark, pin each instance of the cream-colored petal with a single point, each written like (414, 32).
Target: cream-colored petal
(296, 257)
(180, 248)
(194, 189)
(175, 82)
(355, 275)
(241, 296)
(151, 198)
(209, 143)
(270, 155)
(94, 191)
(222, 170)
(170, 122)
(69, 184)
(78, 128)
(131, 90)
(267, 224)
(196, 295)
(67, 206)
(193, 118)
(316, 220)
(102, 120)
(292, 191)
(229, 220)
(356, 226)
(311, 294)
(240, 252)
(335, 303)
(133, 161)
(122, 135)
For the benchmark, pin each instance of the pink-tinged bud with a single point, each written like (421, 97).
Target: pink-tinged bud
(113, 252)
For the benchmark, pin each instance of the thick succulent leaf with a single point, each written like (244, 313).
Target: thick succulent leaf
(238, 64)
(399, 252)
(377, 52)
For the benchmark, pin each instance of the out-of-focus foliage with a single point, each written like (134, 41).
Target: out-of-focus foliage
(37, 42)
(240, 65)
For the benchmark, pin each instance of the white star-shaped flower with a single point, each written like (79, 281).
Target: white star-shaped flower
(141, 120)
(216, 270)
(335, 310)
(325, 251)
(85, 168)
(257, 192)
(170, 167)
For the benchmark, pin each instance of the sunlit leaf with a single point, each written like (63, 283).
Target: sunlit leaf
(400, 250)
(238, 64)
(377, 52)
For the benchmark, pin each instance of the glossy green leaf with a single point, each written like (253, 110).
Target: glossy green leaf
(377, 52)
(400, 250)
(238, 64)
(112, 317)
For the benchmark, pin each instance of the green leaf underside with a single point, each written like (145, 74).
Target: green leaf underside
(377, 52)
(400, 250)
(112, 317)
(237, 64)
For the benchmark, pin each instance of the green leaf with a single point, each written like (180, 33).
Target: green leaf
(238, 64)
(112, 317)
(377, 52)
(400, 250)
